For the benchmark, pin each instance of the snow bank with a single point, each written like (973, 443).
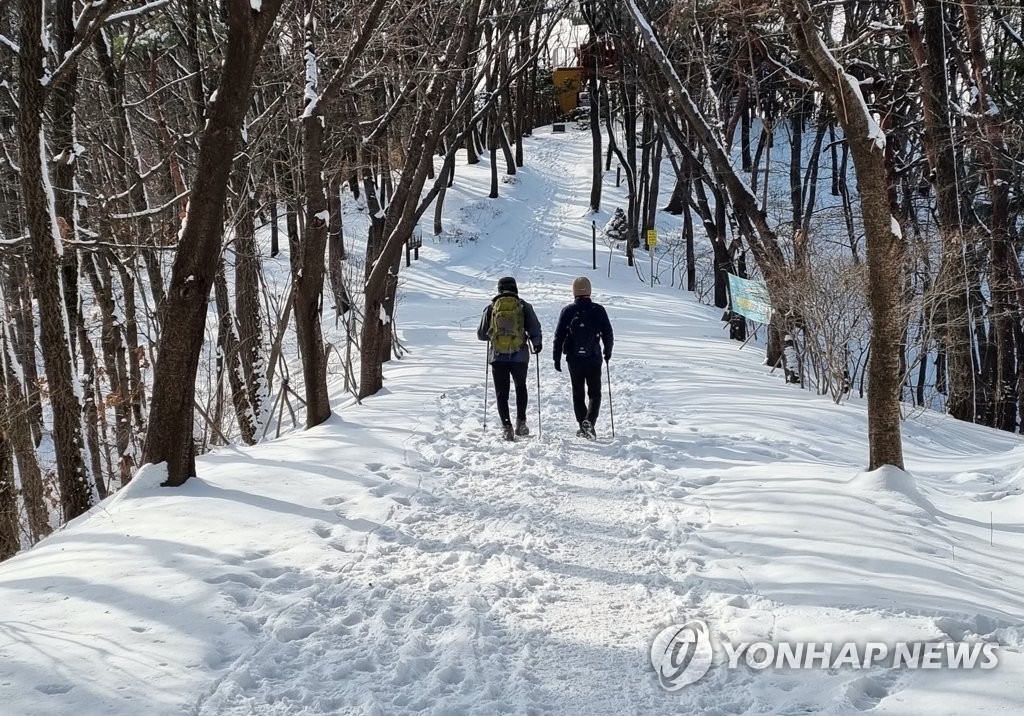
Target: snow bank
(892, 484)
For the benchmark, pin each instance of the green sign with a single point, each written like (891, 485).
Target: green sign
(750, 299)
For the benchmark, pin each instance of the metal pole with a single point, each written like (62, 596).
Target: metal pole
(650, 250)
(487, 374)
(538, 397)
(611, 409)
(593, 232)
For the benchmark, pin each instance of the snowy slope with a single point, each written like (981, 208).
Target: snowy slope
(400, 560)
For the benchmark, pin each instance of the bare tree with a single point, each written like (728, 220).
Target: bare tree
(308, 259)
(927, 43)
(36, 83)
(885, 247)
(183, 314)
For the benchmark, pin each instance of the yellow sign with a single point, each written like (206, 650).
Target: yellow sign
(652, 237)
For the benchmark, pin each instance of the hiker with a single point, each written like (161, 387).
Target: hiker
(507, 324)
(583, 327)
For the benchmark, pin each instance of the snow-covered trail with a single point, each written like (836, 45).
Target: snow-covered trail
(531, 578)
(516, 578)
(399, 559)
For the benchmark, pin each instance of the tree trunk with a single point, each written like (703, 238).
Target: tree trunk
(63, 98)
(308, 262)
(20, 436)
(170, 435)
(10, 537)
(248, 325)
(1004, 274)
(92, 416)
(336, 250)
(654, 188)
(885, 246)
(951, 318)
(47, 251)
(597, 176)
(115, 361)
(401, 218)
(19, 295)
(228, 361)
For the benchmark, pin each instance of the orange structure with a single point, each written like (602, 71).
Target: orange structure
(568, 82)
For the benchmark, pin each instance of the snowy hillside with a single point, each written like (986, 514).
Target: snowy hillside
(400, 560)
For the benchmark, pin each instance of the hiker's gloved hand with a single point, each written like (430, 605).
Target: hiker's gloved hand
(558, 365)
(607, 356)
(537, 348)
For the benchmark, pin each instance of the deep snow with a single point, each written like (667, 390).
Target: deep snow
(399, 560)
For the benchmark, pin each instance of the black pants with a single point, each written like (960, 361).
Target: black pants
(586, 375)
(503, 372)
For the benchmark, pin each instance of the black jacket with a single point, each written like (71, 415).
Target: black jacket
(603, 328)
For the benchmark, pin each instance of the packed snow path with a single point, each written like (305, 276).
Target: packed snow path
(531, 578)
(401, 560)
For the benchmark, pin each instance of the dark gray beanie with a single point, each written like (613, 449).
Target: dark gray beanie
(507, 285)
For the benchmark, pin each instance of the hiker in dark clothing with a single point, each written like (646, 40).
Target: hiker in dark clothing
(583, 327)
(510, 327)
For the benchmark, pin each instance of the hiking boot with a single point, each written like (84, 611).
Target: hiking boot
(522, 428)
(588, 430)
(508, 432)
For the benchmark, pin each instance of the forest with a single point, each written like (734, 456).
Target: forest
(157, 155)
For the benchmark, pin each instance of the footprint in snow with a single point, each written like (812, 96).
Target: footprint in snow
(249, 580)
(294, 633)
(868, 691)
(54, 689)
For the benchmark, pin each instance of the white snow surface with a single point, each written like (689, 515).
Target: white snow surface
(399, 559)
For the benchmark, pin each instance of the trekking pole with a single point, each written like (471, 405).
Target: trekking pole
(487, 373)
(611, 410)
(538, 397)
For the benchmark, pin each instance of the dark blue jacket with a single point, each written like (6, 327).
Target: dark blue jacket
(530, 323)
(603, 328)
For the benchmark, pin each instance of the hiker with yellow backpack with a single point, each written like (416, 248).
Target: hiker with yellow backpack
(510, 326)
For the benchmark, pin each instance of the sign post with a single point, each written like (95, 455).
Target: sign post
(652, 241)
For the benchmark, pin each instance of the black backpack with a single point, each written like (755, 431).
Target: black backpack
(583, 335)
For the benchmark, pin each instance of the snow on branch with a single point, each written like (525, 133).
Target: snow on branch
(1011, 33)
(153, 210)
(311, 88)
(10, 44)
(137, 12)
(94, 15)
(789, 74)
(333, 86)
(829, 65)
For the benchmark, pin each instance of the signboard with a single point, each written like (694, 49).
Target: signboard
(652, 238)
(750, 299)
